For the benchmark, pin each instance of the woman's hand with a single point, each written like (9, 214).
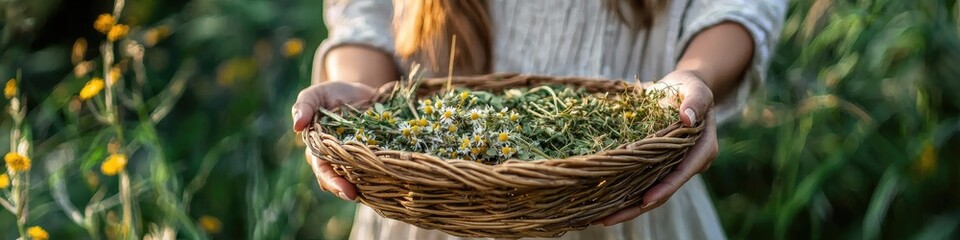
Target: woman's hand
(696, 105)
(359, 70)
(328, 95)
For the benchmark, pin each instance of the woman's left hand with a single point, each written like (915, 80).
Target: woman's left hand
(696, 104)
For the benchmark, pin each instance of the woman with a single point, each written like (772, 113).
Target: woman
(714, 51)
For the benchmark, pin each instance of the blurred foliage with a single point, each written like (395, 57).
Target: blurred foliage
(854, 135)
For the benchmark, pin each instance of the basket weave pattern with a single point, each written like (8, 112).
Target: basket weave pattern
(542, 198)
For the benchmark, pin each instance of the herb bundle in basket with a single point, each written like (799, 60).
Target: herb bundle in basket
(503, 155)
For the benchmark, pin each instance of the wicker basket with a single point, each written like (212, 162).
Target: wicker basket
(543, 198)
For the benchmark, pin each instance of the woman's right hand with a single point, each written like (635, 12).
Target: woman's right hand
(329, 95)
(349, 74)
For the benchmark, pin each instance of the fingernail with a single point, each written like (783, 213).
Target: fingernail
(343, 196)
(648, 204)
(691, 115)
(296, 115)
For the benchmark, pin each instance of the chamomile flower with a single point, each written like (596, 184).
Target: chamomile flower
(476, 116)
(507, 151)
(503, 137)
(447, 114)
(465, 144)
(426, 106)
(406, 130)
(371, 139)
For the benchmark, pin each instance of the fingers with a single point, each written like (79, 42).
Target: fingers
(697, 160)
(697, 100)
(330, 181)
(303, 110)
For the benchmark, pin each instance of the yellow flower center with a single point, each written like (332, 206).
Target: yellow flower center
(292, 47)
(4, 181)
(386, 115)
(92, 88)
(17, 162)
(114, 164)
(475, 151)
(474, 116)
(104, 22)
(506, 150)
(452, 128)
(464, 95)
(37, 233)
(447, 114)
(406, 132)
(428, 109)
(503, 137)
(422, 122)
(514, 117)
(210, 224)
(10, 90)
(340, 130)
(117, 32)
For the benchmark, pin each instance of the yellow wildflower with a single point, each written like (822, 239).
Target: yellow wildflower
(629, 115)
(4, 181)
(11, 89)
(422, 122)
(117, 32)
(503, 137)
(514, 117)
(386, 115)
(465, 143)
(428, 109)
(37, 233)
(506, 151)
(104, 23)
(464, 96)
(91, 89)
(340, 130)
(114, 164)
(452, 128)
(209, 224)
(292, 47)
(17, 162)
(154, 35)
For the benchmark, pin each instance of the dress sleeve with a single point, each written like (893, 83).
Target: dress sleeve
(763, 19)
(357, 22)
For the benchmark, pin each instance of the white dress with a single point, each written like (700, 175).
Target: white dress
(583, 38)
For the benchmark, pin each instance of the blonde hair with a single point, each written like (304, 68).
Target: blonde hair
(424, 30)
